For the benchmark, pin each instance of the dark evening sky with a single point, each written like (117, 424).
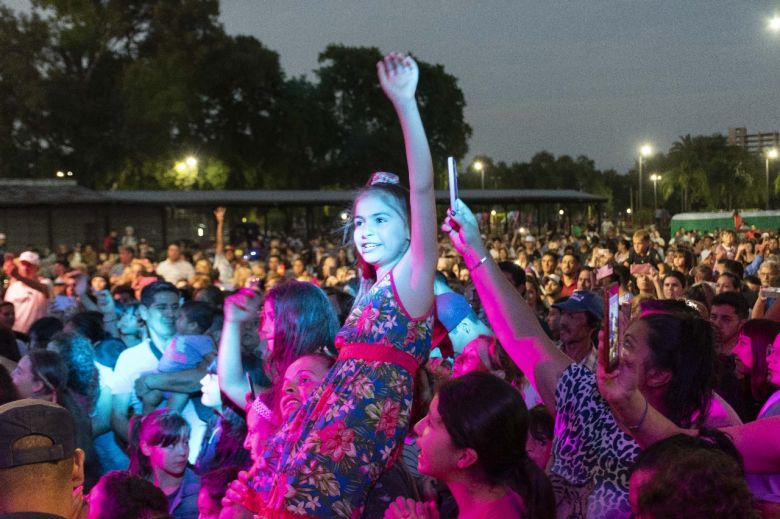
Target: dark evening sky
(588, 77)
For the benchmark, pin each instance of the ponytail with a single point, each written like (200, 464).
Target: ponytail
(534, 487)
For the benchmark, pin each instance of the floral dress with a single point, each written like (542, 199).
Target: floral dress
(332, 450)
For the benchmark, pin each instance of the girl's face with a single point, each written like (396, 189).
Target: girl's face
(531, 296)
(209, 386)
(267, 325)
(381, 235)
(438, 457)
(744, 354)
(171, 459)
(469, 361)
(258, 430)
(673, 289)
(98, 283)
(773, 362)
(301, 379)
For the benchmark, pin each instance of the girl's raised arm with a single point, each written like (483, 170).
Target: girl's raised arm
(398, 75)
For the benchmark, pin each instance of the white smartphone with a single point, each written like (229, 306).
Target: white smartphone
(453, 173)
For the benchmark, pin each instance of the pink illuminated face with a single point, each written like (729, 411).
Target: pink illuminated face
(301, 379)
(381, 234)
(267, 325)
(469, 361)
(207, 507)
(773, 362)
(638, 479)
(539, 450)
(744, 354)
(171, 459)
(258, 430)
(438, 456)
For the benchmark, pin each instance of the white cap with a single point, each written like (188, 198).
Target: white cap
(30, 257)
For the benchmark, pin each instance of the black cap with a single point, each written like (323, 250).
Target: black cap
(29, 417)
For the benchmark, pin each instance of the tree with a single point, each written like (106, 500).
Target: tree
(367, 136)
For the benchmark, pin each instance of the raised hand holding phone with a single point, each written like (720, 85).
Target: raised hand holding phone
(452, 169)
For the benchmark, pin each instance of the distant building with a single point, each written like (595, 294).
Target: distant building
(753, 142)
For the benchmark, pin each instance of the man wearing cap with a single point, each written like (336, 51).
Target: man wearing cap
(531, 249)
(28, 292)
(581, 316)
(40, 467)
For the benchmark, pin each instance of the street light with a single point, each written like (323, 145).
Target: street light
(479, 166)
(644, 151)
(771, 153)
(655, 178)
(774, 24)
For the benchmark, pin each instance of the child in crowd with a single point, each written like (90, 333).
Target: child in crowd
(354, 425)
(188, 349)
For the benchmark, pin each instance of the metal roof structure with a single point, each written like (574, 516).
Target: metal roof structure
(21, 192)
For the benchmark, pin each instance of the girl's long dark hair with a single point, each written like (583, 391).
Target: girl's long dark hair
(161, 427)
(484, 413)
(762, 333)
(682, 343)
(304, 323)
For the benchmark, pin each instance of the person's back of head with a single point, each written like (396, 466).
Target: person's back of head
(692, 477)
(88, 324)
(42, 330)
(304, 322)
(199, 316)
(122, 495)
(39, 463)
(79, 356)
(515, 274)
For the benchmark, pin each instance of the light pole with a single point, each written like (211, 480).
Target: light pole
(655, 178)
(644, 151)
(479, 166)
(771, 153)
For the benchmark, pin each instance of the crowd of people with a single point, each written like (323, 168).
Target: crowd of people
(421, 370)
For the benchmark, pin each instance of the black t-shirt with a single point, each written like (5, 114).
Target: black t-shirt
(652, 257)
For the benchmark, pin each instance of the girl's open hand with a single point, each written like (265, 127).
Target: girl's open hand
(398, 75)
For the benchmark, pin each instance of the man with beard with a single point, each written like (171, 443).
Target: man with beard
(580, 322)
(729, 311)
(570, 270)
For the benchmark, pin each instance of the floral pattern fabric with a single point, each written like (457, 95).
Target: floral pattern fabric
(332, 450)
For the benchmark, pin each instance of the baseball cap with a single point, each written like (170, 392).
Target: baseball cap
(554, 277)
(30, 257)
(583, 301)
(530, 238)
(451, 309)
(28, 417)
